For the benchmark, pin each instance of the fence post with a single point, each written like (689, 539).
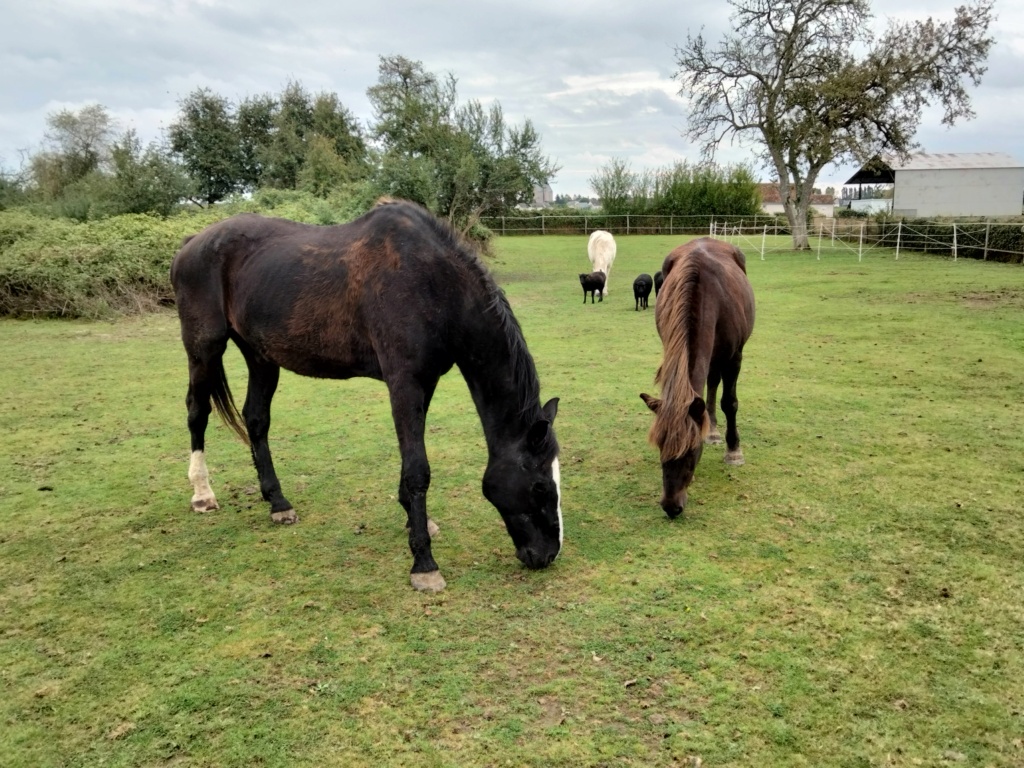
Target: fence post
(586, 225)
(819, 240)
(670, 219)
(542, 225)
(764, 236)
(954, 241)
(833, 231)
(988, 226)
(899, 236)
(712, 232)
(860, 248)
(503, 224)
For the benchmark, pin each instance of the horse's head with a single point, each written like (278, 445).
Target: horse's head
(681, 445)
(524, 484)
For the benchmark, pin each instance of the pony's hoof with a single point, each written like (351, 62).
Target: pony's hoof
(288, 517)
(432, 581)
(734, 458)
(432, 528)
(713, 438)
(207, 504)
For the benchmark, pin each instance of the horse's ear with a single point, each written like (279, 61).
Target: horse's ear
(551, 409)
(697, 409)
(652, 402)
(538, 434)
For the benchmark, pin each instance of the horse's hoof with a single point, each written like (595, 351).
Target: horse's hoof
(432, 581)
(713, 439)
(734, 458)
(432, 529)
(207, 504)
(288, 517)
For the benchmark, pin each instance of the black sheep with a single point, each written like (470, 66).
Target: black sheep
(659, 278)
(642, 289)
(594, 282)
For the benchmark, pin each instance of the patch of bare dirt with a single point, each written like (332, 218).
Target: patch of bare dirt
(993, 299)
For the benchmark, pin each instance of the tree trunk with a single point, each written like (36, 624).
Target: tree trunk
(797, 216)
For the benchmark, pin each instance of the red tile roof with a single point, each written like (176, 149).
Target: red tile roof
(770, 194)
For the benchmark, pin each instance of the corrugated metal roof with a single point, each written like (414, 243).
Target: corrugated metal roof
(947, 161)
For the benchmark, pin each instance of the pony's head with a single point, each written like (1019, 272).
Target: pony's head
(679, 434)
(524, 484)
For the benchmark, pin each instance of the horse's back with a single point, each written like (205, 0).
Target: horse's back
(601, 248)
(715, 272)
(325, 301)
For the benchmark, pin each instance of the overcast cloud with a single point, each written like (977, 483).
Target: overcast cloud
(595, 77)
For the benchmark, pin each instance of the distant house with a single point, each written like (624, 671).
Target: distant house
(771, 201)
(949, 184)
(543, 196)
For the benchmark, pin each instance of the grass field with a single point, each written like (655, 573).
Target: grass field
(853, 596)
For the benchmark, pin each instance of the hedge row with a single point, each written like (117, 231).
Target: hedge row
(121, 265)
(572, 222)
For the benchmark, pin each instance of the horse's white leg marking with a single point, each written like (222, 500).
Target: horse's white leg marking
(203, 498)
(427, 582)
(556, 475)
(734, 458)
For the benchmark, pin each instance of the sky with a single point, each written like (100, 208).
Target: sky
(595, 78)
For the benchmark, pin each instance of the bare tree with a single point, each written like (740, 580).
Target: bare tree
(806, 82)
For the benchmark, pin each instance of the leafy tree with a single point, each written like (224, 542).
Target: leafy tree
(77, 144)
(254, 122)
(789, 79)
(297, 119)
(206, 138)
(333, 121)
(12, 189)
(613, 184)
(680, 189)
(323, 170)
(461, 161)
(145, 180)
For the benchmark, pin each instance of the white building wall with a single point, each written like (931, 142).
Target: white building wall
(958, 192)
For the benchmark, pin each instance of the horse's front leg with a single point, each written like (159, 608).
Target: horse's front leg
(409, 402)
(714, 436)
(730, 405)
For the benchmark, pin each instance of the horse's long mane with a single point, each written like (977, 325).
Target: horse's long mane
(523, 369)
(673, 430)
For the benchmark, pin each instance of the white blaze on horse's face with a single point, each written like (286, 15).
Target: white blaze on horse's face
(556, 475)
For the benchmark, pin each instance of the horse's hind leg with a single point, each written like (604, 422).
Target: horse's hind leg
(204, 364)
(263, 378)
(409, 403)
(714, 436)
(730, 404)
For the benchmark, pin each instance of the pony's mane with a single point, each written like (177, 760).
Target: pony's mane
(673, 430)
(524, 371)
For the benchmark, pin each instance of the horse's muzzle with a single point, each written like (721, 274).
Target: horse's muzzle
(535, 560)
(674, 507)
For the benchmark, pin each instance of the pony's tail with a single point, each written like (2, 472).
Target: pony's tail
(223, 401)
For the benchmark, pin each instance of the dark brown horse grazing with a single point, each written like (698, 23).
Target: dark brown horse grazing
(395, 296)
(704, 319)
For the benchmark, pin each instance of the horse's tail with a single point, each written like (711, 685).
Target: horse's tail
(220, 394)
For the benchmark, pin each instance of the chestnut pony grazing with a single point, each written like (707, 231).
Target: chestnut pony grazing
(394, 296)
(705, 314)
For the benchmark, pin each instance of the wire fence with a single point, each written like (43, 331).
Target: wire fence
(984, 240)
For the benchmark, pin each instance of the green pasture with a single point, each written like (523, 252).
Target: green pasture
(853, 596)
